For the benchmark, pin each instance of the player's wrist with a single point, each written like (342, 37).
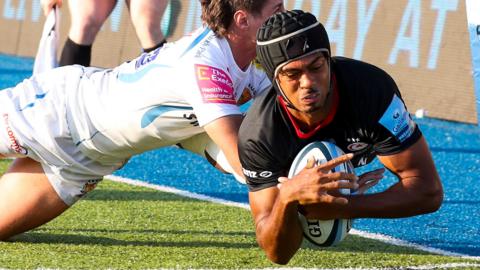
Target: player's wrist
(288, 197)
(345, 211)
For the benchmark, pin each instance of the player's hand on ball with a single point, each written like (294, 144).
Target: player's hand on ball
(313, 183)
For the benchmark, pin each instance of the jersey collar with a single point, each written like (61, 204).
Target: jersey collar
(323, 123)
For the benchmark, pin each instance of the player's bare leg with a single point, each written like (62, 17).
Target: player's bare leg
(146, 18)
(27, 200)
(88, 17)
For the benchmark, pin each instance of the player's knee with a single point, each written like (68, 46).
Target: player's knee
(87, 28)
(148, 32)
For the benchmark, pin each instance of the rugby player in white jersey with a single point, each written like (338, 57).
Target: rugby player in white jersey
(71, 126)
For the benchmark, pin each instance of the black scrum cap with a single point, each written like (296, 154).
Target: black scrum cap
(289, 35)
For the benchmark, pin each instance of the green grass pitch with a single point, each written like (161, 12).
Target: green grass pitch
(119, 226)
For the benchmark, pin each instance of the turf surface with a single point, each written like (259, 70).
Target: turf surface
(120, 226)
(455, 148)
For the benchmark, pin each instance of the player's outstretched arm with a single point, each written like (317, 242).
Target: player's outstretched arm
(275, 209)
(418, 191)
(224, 133)
(276, 223)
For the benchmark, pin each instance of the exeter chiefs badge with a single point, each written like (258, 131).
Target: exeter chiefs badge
(245, 97)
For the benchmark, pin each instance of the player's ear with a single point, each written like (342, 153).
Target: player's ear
(240, 19)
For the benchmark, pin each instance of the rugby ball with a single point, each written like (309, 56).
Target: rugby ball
(323, 233)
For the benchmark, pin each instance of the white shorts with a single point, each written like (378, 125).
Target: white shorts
(33, 124)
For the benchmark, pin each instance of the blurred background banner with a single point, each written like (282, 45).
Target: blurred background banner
(473, 15)
(430, 47)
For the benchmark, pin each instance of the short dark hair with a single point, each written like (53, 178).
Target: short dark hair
(218, 14)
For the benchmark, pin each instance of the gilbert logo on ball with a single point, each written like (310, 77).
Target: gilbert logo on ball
(323, 233)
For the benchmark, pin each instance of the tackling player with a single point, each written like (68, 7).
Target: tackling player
(72, 125)
(318, 97)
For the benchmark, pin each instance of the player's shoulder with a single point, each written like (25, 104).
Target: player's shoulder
(258, 119)
(259, 74)
(262, 125)
(358, 69)
(350, 63)
(261, 112)
(202, 55)
(201, 45)
(264, 143)
(363, 80)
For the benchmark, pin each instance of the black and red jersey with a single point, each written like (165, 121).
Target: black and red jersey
(368, 118)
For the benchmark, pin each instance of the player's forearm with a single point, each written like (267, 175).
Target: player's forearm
(234, 161)
(224, 132)
(405, 198)
(279, 234)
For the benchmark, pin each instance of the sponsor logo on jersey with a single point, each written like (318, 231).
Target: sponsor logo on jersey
(14, 145)
(265, 174)
(397, 120)
(362, 161)
(192, 118)
(153, 113)
(215, 85)
(203, 47)
(146, 58)
(357, 146)
(253, 174)
(249, 173)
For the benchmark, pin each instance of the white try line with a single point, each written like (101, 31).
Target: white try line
(380, 237)
(422, 267)
(398, 242)
(179, 192)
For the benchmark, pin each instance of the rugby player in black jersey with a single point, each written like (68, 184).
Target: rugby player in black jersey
(316, 97)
